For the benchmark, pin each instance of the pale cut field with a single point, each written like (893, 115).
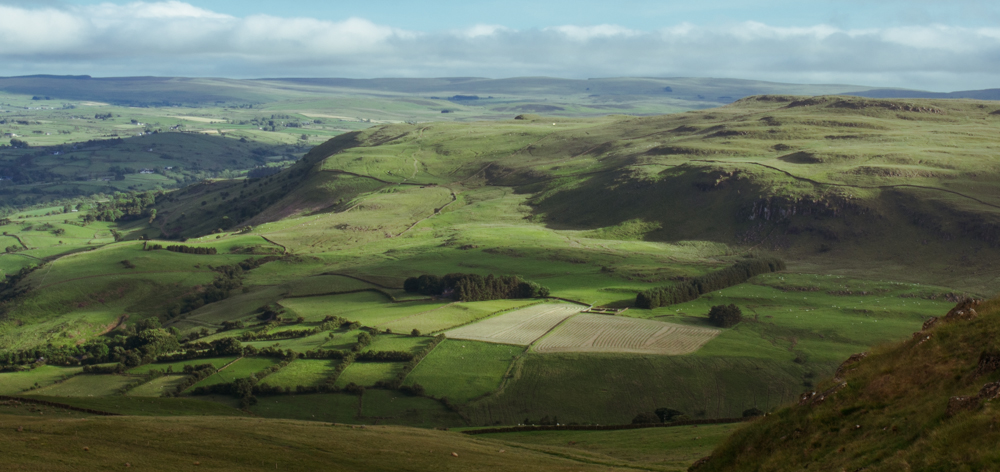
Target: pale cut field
(605, 333)
(521, 327)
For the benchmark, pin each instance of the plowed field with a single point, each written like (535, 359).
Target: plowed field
(521, 327)
(604, 333)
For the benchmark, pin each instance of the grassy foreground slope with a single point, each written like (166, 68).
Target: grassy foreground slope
(924, 404)
(214, 443)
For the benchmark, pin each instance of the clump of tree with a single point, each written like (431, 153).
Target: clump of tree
(661, 415)
(130, 346)
(191, 249)
(698, 286)
(123, 207)
(474, 287)
(725, 316)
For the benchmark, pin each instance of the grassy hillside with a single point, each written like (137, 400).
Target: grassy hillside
(883, 210)
(923, 404)
(214, 443)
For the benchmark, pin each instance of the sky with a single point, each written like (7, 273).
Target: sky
(920, 44)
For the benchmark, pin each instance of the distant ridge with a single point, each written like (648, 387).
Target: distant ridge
(986, 94)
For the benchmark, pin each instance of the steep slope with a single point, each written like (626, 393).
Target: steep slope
(928, 403)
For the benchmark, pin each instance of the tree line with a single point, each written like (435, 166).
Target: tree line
(474, 287)
(123, 207)
(698, 286)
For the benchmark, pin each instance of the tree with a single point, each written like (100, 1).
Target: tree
(752, 412)
(415, 332)
(725, 316)
(646, 418)
(667, 415)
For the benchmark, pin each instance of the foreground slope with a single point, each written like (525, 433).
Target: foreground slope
(928, 403)
(217, 443)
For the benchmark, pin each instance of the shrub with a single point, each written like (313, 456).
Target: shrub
(725, 316)
(646, 418)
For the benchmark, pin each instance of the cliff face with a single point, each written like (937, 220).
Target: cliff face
(929, 403)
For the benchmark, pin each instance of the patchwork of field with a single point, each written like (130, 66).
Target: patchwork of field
(241, 369)
(521, 327)
(603, 333)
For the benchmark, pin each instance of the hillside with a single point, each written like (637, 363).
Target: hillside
(286, 296)
(924, 404)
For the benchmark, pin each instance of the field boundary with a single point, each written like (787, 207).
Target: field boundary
(610, 427)
(57, 405)
(362, 280)
(283, 248)
(379, 291)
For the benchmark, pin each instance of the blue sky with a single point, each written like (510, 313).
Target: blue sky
(916, 44)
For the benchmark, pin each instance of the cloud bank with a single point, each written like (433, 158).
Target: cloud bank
(177, 39)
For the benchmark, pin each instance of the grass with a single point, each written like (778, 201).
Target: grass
(397, 342)
(86, 386)
(328, 407)
(464, 370)
(306, 372)
(367, 308)
(178, 366)
(451, 315)
(15, 382)
(383, 406)
(614, 388)
(241, 369)
(259, 444)
(656, 448)
(894, 409)
(367, 373)
(157, 387)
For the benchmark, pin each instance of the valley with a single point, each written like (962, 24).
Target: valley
(285, 296)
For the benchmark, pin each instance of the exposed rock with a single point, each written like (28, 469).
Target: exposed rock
(814, 398)
(965, 310)
(989, 391)
(958, 404)
(850, 362)
(989, 362)
(929, 323)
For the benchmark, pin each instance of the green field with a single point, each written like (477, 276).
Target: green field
(241, 369)
(305, 372)
(178, 366)
(15, 382)
(367, 308)
(158, 387)
(86, 386)
(367, 373)
(464, 370)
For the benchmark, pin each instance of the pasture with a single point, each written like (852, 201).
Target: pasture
(604, 333)
(306, 372)
(463, 370)
(85, 385)
(520, 327)
(15, 382)
(366, 374)
(158, 387)
(241, 369)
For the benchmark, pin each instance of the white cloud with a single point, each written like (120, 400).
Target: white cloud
(586, 33)
(175, 38)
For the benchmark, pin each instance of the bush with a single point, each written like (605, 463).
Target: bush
(474, 287)
(752, 412)
(646, 418)
(725, 316)
(668, 415)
